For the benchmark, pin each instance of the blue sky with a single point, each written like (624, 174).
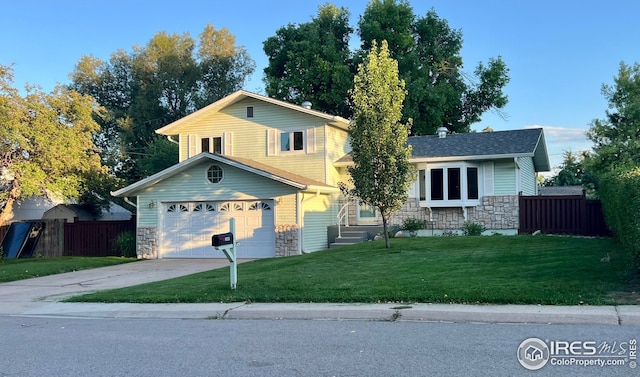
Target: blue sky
(559, 52)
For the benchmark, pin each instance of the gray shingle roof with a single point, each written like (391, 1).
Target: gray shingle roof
(492, 145)
(477, 144)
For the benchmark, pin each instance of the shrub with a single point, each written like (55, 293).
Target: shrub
(620, 196)
(473, 229)
(412, 225)
(125, 243)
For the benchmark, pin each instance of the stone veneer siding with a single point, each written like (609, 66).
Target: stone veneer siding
(286, 240)
(147, 243)
(494, 213)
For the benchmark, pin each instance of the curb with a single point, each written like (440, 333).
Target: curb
(533, 314)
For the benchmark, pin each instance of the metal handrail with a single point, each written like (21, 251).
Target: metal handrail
(343, 214)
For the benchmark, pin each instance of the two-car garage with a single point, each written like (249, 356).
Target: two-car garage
(187, 227)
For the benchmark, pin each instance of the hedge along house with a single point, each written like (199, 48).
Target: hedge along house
(266, 163)
(474, 177)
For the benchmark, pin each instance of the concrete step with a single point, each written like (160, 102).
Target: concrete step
(349, 237)
(339, 244)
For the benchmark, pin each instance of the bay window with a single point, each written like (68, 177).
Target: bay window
(449, 185)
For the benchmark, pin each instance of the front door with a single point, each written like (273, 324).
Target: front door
(367, 215)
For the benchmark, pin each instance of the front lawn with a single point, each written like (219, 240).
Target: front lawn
(18, 269)
(493, 269)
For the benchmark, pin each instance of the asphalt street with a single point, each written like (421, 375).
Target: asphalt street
(36, 346)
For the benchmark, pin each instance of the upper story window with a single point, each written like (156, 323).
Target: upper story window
(291, 141)
(212, 143)
(249, 111)
(281, 142)
(448, 185)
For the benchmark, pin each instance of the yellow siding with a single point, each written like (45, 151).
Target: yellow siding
(249, 135)
(286, 210)
(318, 214)
(337, 146)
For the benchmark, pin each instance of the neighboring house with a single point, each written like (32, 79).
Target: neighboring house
(275, 167)
(31, 208)
(561, 190)
(75, 212)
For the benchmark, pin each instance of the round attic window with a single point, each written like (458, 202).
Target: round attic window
(214, 174)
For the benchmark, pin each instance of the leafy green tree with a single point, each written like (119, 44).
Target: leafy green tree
(570, 172)
(428, 53)
(143, 90)
(381, 171)
(617, 137)
(46, 144)
(312, 62)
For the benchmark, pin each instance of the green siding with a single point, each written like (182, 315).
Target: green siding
(192, 185)
(527, 176)
(504, 178)
(249, 135)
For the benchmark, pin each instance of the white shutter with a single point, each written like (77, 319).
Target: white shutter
(311, 140)
(226, 143)
(192, 146)
(271, 142)
(488, 178)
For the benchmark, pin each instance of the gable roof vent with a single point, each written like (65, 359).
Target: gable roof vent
(442, 132)
(306, 104)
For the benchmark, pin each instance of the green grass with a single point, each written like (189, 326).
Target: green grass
(18, 269)
(499, 269)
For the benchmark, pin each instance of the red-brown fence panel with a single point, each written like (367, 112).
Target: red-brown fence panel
(94, 238)
(562, 214)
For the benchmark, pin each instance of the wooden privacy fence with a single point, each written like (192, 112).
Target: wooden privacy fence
(94, 238)
(562, 214)
(83, 238)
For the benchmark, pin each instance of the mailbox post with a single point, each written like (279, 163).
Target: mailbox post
(227, 244)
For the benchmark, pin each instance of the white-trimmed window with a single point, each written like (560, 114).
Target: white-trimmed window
(217, 143)
(281, 142)
(450, 185)
(291, 141)
(211, 144)
(215, 174)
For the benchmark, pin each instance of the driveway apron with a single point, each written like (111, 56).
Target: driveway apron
(17, 296)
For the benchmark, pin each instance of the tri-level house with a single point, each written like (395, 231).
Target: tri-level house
(275, 167)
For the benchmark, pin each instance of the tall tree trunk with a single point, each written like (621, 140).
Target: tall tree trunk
(386, 233)
(7, 209)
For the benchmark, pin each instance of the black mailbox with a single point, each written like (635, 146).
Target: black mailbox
(222, 239)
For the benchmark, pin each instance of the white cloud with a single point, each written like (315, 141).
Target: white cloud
(562, 139)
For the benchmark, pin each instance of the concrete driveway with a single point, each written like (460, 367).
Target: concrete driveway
(18, 296)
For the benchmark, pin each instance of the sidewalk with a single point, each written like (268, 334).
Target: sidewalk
(41, 297)
(606, 315)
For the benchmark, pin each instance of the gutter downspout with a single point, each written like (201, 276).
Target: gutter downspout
(126, 200)
(171, 140)
(299, 221)
(515, 161)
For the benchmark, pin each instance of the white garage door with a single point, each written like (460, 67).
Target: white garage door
(188, 227)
